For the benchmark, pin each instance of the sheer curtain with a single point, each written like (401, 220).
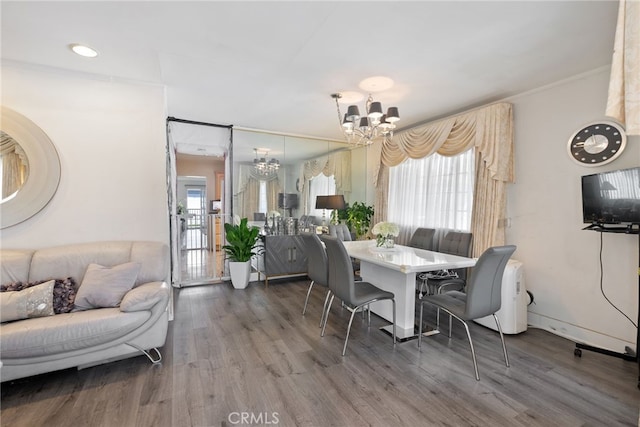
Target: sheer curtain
(320, 185)
(434, 192)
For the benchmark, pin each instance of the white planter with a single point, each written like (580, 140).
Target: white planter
(240, 273)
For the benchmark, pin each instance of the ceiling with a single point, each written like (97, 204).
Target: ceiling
(273, 65)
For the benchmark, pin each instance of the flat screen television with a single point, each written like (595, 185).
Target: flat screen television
(612, 197)
(288, 200)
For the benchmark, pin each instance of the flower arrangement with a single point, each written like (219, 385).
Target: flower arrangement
(384, 232)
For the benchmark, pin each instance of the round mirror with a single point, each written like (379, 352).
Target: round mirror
(14, 167)
(30, 168)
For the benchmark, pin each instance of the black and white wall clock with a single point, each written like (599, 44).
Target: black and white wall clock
(597, 143)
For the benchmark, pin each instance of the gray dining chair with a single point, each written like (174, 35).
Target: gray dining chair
(422, 238)
(341, 231)
(317, 268)
(453, 243)
(483, 296)
(355, 295)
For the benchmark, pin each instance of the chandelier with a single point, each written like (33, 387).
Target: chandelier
(265, 166)
(374, 124)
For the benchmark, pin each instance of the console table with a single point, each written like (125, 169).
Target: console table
(283, 255)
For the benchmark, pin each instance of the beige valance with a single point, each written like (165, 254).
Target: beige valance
(488, 129)
(337, 164)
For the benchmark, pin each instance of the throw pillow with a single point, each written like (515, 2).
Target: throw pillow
(64, 292)
(105, 286)
(34, 301)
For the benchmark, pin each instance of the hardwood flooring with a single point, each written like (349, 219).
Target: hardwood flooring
(248, 357)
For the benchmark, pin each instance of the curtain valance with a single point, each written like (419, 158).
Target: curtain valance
(336, 164)
(489, 129)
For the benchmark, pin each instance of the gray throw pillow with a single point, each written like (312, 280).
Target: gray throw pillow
(105, 286)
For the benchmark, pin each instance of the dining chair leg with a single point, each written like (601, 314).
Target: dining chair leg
(450, 325)
(306, 300)
(326, 316)
(369, 314)
(394, 321)
(473, 352)
(324, 308)
(346, 339)
(504, 347)
(419, 325)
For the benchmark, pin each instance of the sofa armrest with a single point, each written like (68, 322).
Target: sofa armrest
(145, 296)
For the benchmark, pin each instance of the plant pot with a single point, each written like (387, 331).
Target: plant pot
(240, 273)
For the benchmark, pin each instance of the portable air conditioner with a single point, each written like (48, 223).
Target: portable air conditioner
(513, 313)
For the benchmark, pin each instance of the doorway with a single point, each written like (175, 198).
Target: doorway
(195, 234)
(197, 164)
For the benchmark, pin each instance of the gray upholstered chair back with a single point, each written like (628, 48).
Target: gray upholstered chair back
(317, 265)
(484, 288)
(423, 239)
(341, 281)
(341, 231)
(457, 243)
(307, 220)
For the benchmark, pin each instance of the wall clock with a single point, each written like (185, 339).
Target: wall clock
(597, 143)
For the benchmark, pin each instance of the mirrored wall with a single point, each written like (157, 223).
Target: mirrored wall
(282, 175)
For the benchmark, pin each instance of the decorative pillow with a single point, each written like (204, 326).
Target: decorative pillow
(34, 301)
(105, 286)
(64, 292)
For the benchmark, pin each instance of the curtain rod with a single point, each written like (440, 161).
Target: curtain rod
(191, 122)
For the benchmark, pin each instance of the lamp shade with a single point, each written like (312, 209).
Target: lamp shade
(330, 202)
(353, 113)
(393, 115)
(375, 110)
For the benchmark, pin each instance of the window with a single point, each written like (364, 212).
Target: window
(435, 192)
(320, 185)
(262, 198)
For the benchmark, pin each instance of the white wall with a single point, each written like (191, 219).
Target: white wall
(561, 261)
(110, 137)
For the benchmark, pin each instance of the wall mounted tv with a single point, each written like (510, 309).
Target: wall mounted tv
(612, 197)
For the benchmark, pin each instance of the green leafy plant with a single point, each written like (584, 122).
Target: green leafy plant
(359, 218)
(242, 241)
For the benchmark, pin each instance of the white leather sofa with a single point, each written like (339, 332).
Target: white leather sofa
(138, 325)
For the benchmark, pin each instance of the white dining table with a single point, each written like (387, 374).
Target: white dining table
(394, 270)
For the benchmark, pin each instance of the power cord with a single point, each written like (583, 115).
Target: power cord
(602, 288)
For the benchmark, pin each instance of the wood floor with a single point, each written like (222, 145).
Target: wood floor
(248, 357)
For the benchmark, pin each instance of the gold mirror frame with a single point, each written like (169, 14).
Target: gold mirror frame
(44, 169)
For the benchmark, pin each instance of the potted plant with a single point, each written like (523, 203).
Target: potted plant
(359, 218)
(240, 247)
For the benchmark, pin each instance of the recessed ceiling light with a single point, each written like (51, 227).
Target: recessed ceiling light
(83, 50)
